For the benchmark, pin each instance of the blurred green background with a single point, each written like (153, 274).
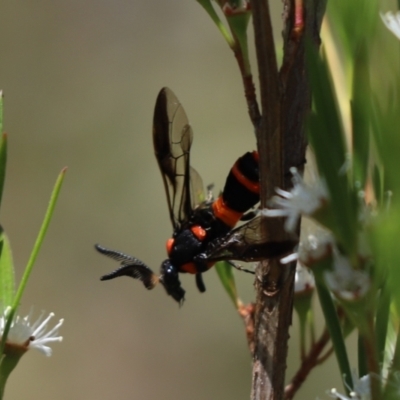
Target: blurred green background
(80, 82)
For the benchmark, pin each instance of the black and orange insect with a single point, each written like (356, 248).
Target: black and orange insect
(202, 226)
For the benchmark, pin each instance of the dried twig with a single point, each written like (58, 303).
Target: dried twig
(285, 101)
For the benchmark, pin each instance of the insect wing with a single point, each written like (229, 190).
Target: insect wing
(130, 266)
(249, 242)
(172, 139)
(197, 194)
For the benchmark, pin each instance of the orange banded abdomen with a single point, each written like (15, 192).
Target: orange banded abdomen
(241, 191)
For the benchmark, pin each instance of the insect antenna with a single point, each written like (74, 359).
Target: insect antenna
(130, 266)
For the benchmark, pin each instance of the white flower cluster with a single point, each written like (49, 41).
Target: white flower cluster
(301, 200)
(344, 280)
(31, 335)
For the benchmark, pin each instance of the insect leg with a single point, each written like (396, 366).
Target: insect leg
(240, 268)
(201, 262)
(200, 283)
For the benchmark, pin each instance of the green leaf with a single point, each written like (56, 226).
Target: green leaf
(385, 122)
(384, 239)
(302, 306)
(362, 356)
(360, 112)
(206, 4)
(353, 21)
(3, 162)
(238, 24)
(7, 277)
(376, 119)
(1, 111)
(382, 321)
(224, 271)
(3, 149)
(327, 139)
(333, 323)
(7, 364)
(377, 183)
(326, 111)
(392, 362)
(35, 251)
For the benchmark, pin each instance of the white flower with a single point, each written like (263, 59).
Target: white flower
(362, 386)
(303, 280)
(26, 335)
(301, 200)
(392, 22)
(345, 281)
(362, 389)
(316, 247)
(316, 244)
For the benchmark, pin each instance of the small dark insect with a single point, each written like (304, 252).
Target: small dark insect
(202, 226)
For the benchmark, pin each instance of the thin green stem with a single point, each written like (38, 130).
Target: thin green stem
(303, 324)
(372, 361)
(7, 365)
(335, 331)
(391, 389)
(362, 359)
(225, 274)
(35, 251)
(206, 4)
(3, 162)
(382, 321)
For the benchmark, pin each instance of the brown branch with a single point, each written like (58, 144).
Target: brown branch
(243, 63)
(273, 283)
(268, 130)
(309, 362)
(324, 357)
(285, 101)
(251, 98)
(249, 88)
